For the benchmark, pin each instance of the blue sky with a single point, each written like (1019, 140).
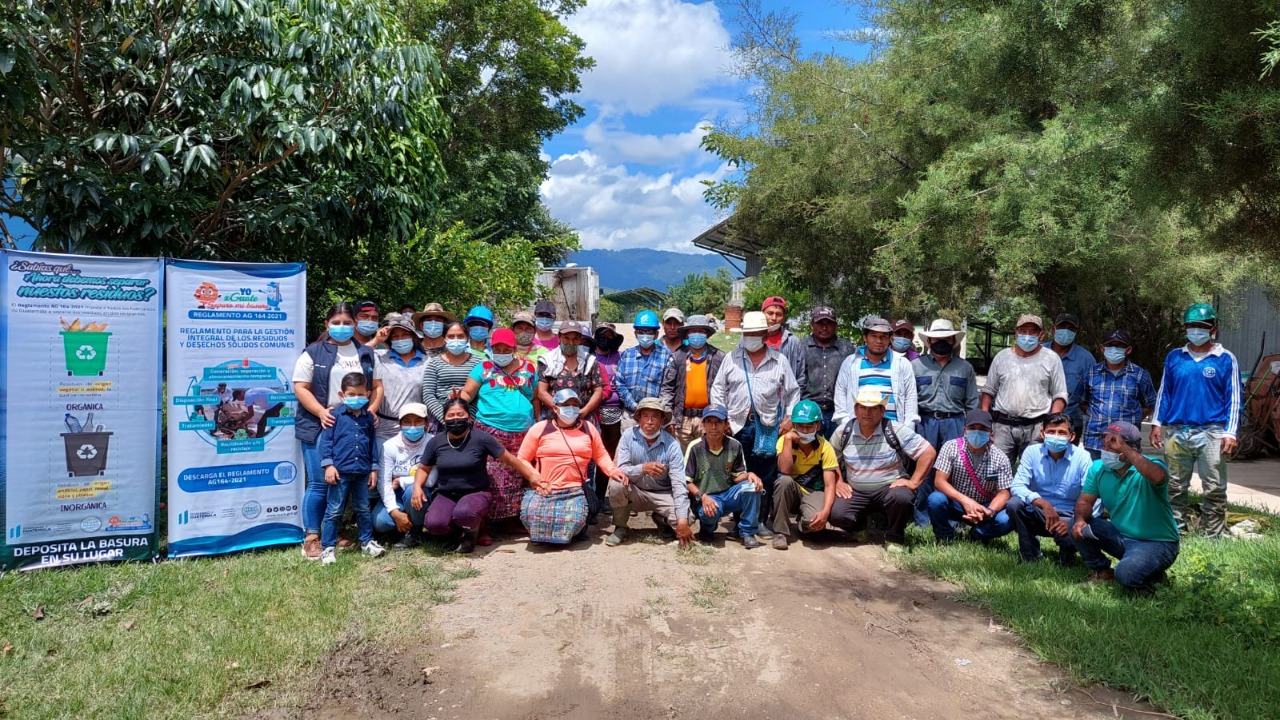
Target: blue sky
(629, 173)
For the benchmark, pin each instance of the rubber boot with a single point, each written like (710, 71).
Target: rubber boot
(621, 516)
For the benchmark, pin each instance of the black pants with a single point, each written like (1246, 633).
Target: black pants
(764, 466)
(897, 503)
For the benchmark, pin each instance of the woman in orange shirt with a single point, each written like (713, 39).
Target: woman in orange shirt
(555, 509)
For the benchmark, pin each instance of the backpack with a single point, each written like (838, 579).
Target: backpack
(890, 435)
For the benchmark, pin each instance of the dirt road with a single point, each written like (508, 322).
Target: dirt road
(640, 631)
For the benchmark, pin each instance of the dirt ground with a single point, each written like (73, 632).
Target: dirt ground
(826, 629)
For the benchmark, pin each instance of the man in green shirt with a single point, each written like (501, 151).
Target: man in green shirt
(1141, 533)
(718, 482)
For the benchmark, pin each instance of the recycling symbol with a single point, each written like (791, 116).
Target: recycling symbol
(241, 434)
(86, 352)
(87, 452)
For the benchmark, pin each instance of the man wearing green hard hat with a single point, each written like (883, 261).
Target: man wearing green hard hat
(1197, 417)
(808, 470)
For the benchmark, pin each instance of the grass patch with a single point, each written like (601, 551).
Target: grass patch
(188, 638)
(657, 606)
(696, 554)
(1206, 645)
(709, 590)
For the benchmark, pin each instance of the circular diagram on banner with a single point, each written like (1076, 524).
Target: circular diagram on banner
(244, 403)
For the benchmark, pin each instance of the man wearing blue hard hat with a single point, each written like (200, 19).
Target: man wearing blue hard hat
(639, 374)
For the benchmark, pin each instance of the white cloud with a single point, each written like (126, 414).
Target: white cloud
(614, 143)
(612, 207)
(651, 52)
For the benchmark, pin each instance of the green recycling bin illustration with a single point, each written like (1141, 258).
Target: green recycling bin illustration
(85, 347)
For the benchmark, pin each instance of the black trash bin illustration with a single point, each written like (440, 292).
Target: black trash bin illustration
(86, 452)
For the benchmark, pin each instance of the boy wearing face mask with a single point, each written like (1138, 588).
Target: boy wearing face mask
(1197, 417)
(1114, 389)
(687, 379)
(349, 454)
(402, 365)
(973, 479)
(393, 510)
(1141, 531)
(1025, 384)
(1045, 490)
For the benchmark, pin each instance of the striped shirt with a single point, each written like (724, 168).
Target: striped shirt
(871, 462)
(439, 378)
(893, 376)
(992, 468)
(1107, 396)
(1200, 391)
(773, 388)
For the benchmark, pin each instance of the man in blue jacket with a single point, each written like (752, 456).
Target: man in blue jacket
(1196, 418)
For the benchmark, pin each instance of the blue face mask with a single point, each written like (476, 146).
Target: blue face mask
(544, 323)
(1112, 460)
(1115, 355)
(432, 328)
(341, 333)
(697, 341)
(1056, 443)
(355, 403)
(977, 438)
(455, 347)
(413, 433)
(403, 346)
(1064, 337)
(502, 359)
(478, 332)
(1028, 342)
(901, 344)
(568, 413)
(1197, 336)
(367, 328)
(646, 340)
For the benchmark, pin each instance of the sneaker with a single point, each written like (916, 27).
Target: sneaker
(1102, 576)
(311, 548)
(328, 556)
(779, 542)
(408, 542)
(750, 541)
(617, 536)
(372, 549)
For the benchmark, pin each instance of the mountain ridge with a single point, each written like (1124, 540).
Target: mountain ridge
(643, 267)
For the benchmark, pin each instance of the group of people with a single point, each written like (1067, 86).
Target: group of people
(463, 428)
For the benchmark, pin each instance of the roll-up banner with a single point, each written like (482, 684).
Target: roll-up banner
(79, 408)
(235, 474)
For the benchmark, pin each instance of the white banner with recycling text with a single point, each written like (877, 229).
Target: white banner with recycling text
(235, 470)
(79, 408)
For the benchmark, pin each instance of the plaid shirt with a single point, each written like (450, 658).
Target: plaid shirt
(639, 376)
(992, 468)
(1106, 397)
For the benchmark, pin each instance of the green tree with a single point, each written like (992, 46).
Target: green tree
(245, 129)
(702, 293)
(511, 68)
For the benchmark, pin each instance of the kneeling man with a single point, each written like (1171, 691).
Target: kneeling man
(808, 471)
(650, 458)
(718, 480)
(973, 480)
(1045, 490)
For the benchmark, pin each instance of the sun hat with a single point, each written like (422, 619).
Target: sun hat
(699, 322)
(941, 328)
(753, 321)
(871, 397)
(413, 409)
(397, 321)
(433, 310)
(653, 403)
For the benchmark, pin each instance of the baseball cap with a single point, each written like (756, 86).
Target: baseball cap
(1118, 337)
(1029, 318)
(875, 323)
(367, 305)
(544, 306)
(569, 326)
(822, 312)
(673, 312)
(904, 325)
(413, 409)
(1127, 432)
(502, 336)
(715, 411)
(524, 316)
(774, 300)
(564, 395)
(978, 417)
(1067, 318)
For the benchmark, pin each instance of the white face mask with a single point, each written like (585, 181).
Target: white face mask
(806, 437)
(654, 436)
(752, 343)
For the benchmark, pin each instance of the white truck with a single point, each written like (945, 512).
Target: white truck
(575, 290)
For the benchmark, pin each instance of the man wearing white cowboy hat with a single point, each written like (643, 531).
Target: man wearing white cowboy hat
(875, 366)
(946, 388)
(687, 379)
(757, 386)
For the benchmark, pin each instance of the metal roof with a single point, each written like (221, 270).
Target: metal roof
(726, 240)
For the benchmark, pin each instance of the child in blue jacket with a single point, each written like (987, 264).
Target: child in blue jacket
(350, 456)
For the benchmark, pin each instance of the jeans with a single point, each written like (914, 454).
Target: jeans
(1029, 523)
(764, 466)
(314, 498)
(382, 521)
(1139, 559)
(355, 485)
(935, 431)
(828, 424)
(1188, 448)
(735, 499)
(942, 510)
(1013, 439)
(466, 512)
